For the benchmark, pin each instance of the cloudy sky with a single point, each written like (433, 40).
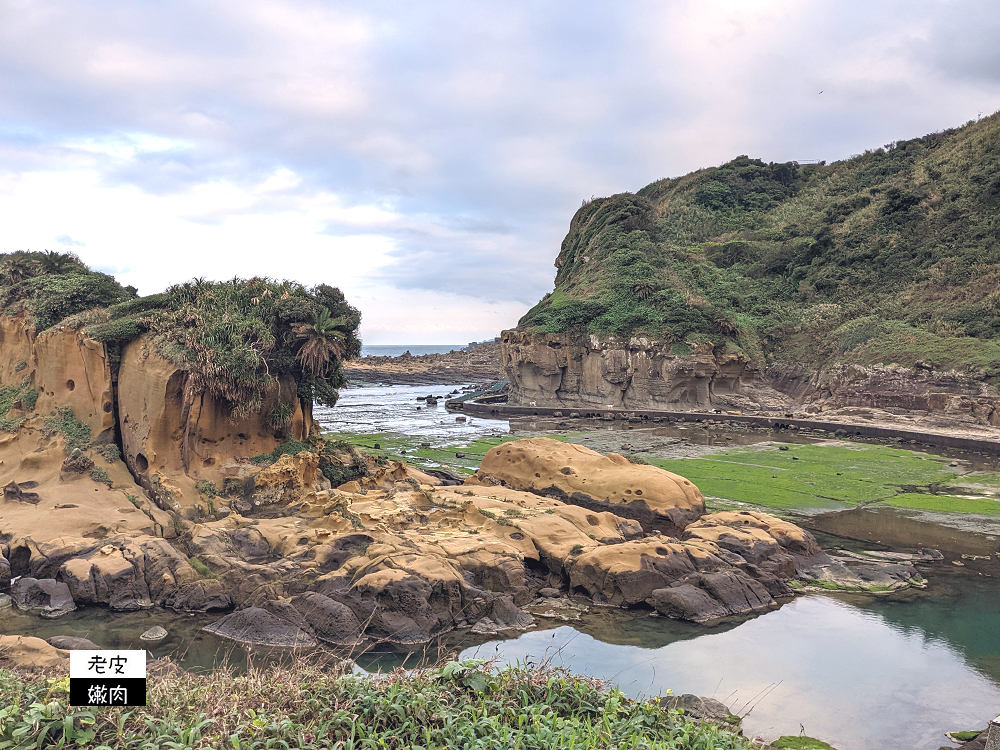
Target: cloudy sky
(427, 157)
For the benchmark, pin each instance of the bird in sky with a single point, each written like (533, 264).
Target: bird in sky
(821, 92)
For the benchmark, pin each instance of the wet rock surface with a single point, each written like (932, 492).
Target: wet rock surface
(45, 597)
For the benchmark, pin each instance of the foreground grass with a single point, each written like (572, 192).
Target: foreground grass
(460, 705)
(830, 476)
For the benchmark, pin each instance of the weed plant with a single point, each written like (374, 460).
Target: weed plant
(304, 705)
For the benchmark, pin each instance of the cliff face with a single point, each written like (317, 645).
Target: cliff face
(587, 371)
(872, 282)
(65, 368)
(169, 433)
(174, 435)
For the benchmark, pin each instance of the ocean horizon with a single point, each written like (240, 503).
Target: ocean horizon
(395, 350)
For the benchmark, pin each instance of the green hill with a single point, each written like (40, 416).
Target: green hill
(892, 256)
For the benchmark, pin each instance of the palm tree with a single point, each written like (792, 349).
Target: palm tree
(17, 267)
(322, 342)
(52, 262)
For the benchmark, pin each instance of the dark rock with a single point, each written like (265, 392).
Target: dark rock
(45, 597)
(13, 492)
(77, 463)
(4, 574)
(201, 596)
(709, 596)
(926, 553)
(258, 627)
(549, 593)
(702, 709)
(687, 602)
(328, 619)
(72, 643)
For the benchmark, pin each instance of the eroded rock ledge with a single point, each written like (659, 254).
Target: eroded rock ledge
(399, 557)
(587, 371)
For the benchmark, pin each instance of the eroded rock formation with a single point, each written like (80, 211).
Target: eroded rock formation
(579, 476)
(581, 371)
(188, 521)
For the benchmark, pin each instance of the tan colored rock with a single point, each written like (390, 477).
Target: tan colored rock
(28, 652)
(626, 574)
(290, 479)
(753, 535)
(578, 475)
(174, 434)
(589, 372)
(66, 369)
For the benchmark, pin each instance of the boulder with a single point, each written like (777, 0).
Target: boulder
(629, 573)
(574, 474)
(46, 597)
(72, 643)
(28, 652)
(702, 709)
(290, 479)
(154, 634)
(4, 574)
(754, 536)
(108, 576)
(329, 620)
(256, 626)
(709, 596)
(77, 463)
(5, 602)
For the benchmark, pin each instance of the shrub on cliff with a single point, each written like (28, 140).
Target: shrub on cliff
(784, 260)
(51, 286)
(239, 337)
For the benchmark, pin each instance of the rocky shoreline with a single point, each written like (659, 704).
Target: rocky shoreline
(480, 364)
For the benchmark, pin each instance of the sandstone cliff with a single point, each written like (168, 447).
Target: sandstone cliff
(586, 371)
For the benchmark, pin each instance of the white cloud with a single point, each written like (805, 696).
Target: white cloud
(428, 157)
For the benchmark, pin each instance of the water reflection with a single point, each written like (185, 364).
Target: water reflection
(849, 675)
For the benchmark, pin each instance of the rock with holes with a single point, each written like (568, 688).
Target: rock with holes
(574, 474)
(44, 597)
(76, 463)
(290, 479)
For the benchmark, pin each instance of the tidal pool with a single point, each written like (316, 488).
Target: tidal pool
(861, 672)
(850, 675)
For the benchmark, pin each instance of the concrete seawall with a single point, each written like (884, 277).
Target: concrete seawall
(932, 439)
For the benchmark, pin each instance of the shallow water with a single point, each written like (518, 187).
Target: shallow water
(395, 409)
(851, 675)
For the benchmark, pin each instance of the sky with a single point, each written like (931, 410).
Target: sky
(427, 157)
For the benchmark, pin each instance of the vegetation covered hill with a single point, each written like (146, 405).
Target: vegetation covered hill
(239, 337)
(892, 256)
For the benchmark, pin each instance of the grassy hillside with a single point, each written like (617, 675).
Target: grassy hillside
(892, 256)
(238, 337)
